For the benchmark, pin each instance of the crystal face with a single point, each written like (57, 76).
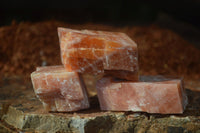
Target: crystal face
(88, 51)
(164, 96)
(59, 90)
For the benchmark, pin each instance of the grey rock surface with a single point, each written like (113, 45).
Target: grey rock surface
(21, 111)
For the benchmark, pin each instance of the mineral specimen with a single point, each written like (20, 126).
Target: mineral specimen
(59, 90)
(93, 52)
(152, 94)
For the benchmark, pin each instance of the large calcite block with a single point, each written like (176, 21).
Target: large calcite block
(152, 94)
(59, 90)
(87, 51)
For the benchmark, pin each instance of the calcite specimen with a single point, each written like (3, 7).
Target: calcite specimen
(93, 52)
(59, 90)
(152, 94)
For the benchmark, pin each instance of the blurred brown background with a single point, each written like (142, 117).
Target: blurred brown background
(167, 32)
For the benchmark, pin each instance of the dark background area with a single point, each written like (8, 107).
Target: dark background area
(183, 17)
(166, 29)
(115, 12)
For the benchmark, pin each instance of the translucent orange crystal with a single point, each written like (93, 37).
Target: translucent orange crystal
(93, 52)
(160, 95)
(59, 90)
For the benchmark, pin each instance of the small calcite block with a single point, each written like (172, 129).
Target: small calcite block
(59, 90)
(152, 94)
(88, 51)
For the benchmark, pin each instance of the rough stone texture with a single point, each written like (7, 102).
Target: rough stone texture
(26, 114)
(88, 51)
(59, 90)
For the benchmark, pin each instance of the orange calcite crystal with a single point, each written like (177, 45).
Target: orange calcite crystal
(152, 94)
(93, 52)
(59, 90)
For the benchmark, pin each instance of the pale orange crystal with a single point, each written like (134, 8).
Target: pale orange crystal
(59, 90)
(160, 95)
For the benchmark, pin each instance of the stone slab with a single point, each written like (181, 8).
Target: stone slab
(25, 113)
